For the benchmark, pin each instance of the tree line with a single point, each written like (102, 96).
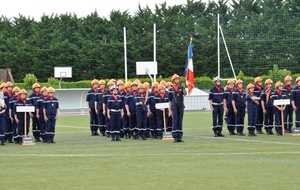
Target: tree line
(93, 45)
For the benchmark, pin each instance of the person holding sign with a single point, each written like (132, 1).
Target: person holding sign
(278, 95)
(161, 97)
(295, 98)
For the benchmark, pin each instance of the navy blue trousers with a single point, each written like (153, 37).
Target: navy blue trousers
(115, 124)
(177, 117)
(141, 122)
(50, 127)
(288, 116)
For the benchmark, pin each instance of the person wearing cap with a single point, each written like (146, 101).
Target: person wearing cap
(295, 98)
(148, 122)
(278, 95)
(99, 100)
(127, 89)
(230, 116)
(288, 112)
(169, 120)
(267, 106)
(122, 95)
(216, 101)
(140, 100)
(260, 115)
(8, 126)
(40, 114)
(33, 97)
(115, 113)
(176, 107)
(161, 97)
(90, 102)
(11, 104)
(239, 106)
(251, 104)
(131, 111)
(106, 96)
(19, 116)
(51, 112)
(153, 117)
(2, 115)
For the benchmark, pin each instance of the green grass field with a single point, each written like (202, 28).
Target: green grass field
(80, 161)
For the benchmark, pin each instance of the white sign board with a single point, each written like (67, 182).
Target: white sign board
(25, 108)
(282, 102)
(63, 72)
(146, 67)
(161, 105)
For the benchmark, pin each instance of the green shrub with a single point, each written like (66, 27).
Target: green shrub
(53, 81)
(29, 80)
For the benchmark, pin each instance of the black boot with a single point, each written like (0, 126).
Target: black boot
(9, 140)
(2, 143)
(250, 133)
(220, 133)
(289, 130)
(271, 131)
(175, 140)
(113, 138)
(118, 138)
(232, 133)
(180, 140)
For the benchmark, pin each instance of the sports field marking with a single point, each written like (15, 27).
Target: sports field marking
(69, 126)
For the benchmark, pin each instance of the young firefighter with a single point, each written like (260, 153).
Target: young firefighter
(176, 107)
(288, 112)
(50, 110)
(161, 97)
(2, 115)
(90, 102)
(267, 106)
(216, 101)
(127, 89)
(107, 94)
(169, 121)
(7, 96)
(115, 113)
(239, 106)
(295, 98)
(19, 116)
(122, 95)
(153, 118)
(11, 104)
(230, 115)
(33, 97)
(260, 115)
(131, 110)
(148, 122)
(99, 107)
(140, 100)
(40, 113)
(252, 105)
(278, 95)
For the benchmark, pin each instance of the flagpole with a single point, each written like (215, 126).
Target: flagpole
(125, 54)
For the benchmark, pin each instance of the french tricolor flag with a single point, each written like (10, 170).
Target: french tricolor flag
(189, 70)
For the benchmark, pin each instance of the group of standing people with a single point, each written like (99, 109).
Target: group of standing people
(128, 109)
(13, 123)
(257, 102)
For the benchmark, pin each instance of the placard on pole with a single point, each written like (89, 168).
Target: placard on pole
(27, 140)
(164, 106)
(281, 103)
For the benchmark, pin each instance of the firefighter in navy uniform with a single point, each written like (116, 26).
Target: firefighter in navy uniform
(50, 111)
(230, 116)
(131, 111)
(8, 126)
(216, 101)
(40, 114)
(148, 122)
(2, 115)
(11, 104)
(127, 89)
(260, 115)
(99, 107)
(161, 97)
(176, 107)
(115, 113)
(153, 117)
(278, 95)
(267, 106)
(19, 116)
(252, 105)
(288, 112)
(140, 100)
(122, 95)
(106, 96)
(169, 122)
(33, 97)
(90, 102)
(295, 98)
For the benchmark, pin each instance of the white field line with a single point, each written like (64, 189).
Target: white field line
(142, 155)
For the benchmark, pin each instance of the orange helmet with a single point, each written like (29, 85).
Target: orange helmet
(141, 86)
(95, 81)
(257, 79)
(35, 85)
(175, 76)
(169, 84)
(7, 84)
(114, 81)
(155, 84)
(120, 82)
(250, 85)
(23, 91)
(146, 84)
(101, 82)
(163, 82)
(127, 84)
(110, 83)
(230, 81)
(44, 88)
(239, 81)
(287, 78)
(134, 83)
(278, 84)
(2, 85)
(16, 89)
(268, 81)
(160, 87)
(137, 81)
(297, 79)
(51, 89)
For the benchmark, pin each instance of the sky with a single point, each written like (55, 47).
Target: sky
(36, 8)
